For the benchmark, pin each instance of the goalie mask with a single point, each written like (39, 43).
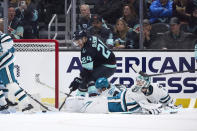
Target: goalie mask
(142, 82)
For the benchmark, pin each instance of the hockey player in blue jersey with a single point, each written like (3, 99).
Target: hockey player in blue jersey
(7, 74)
(96, 59)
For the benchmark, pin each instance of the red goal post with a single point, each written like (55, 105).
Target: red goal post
(38, 63)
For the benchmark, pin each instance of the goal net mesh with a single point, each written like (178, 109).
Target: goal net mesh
(36, 69)
(35, 47)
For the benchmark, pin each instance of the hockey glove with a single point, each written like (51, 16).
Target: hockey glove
(75, 83)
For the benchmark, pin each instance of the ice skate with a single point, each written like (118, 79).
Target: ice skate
(28, 109)
(10, 103)
(4, 109)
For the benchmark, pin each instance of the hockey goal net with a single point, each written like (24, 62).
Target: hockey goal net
(36, 68)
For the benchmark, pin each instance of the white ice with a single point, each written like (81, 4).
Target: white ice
(61, 121)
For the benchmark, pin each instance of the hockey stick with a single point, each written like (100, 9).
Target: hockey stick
(45, 107)
(71, 90)
(37, 78)
(172, 72)
(137, 70)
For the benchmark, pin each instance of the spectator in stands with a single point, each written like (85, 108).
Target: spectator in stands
(136, 6)
(193, 22)
(148, 3)
(45, 9)
(134, 38)
(15, 27)
(195, 2)
(13, 3)
(176, 38)
(28, 29)
(1, 11)
(32, 6)
(32, 18)
(149, 37)
(191, 26)
(130, 16)
(121, 35)
(183, 9)
(97, 29)
(22, 6)
(84, 19)
(109, 10)
(161, 11)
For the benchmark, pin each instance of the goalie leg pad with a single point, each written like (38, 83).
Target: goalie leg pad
(20, 95)
(15, 90)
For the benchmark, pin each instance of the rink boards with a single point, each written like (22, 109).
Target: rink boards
(182, 86)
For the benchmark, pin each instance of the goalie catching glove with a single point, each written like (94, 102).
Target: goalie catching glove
(75, 83)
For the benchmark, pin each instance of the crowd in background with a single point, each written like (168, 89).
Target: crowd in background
(22, 20)
(25, 16)
(167, 24)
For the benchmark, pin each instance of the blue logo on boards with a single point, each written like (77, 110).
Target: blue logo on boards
(168, 64)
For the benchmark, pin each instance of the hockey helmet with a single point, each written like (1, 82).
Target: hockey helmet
(79, 34)
(102, 83)
(142, 82)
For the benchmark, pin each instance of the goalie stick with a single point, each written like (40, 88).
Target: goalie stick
(137, 70)
(37, 79)
(71, 90)
(172, 72)
(45, 107)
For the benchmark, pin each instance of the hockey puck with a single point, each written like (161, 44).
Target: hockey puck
(44, 111)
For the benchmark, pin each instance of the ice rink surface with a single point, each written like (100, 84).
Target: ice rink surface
(185, 120)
